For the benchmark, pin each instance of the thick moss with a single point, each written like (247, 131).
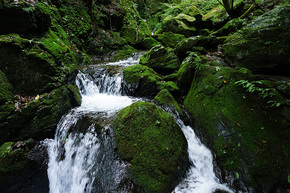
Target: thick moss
(144, 81)
(11, 161)
(169, 39)
(124, 53)
(249, 140)
(141, 80)
(149, 43)
(154, 145)
(181, 24)
(39, 118)
(186, 72)
(262, 45)
(162, 60)
(165, 99)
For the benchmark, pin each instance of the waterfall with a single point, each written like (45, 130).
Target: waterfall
(81, 156)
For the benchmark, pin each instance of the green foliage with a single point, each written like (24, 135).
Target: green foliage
(263, 93)
(5, 149)
(228, 5)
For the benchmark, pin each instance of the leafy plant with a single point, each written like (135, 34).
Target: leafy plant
(228, 5)
(263, 93)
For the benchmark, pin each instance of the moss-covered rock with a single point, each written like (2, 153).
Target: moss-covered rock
(262, 45)
(141, 80)
(181, 24)
(169, 39)
(185, 73)
(144, 81)
(162, 60)
(194, 43)
(230, 27)
(250, 140)
(166, 100)
(11, 161)
(39, 118)
(123, 53)
(21, 164)
(154, 145)
(149, 43)
(135, 28)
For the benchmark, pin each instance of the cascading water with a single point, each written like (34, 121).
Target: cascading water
(81, 156)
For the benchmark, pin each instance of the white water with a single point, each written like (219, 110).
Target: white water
(200, 177)
(76, 158)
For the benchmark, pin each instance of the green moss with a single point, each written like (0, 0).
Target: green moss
(124, 53)
(169, 39)
(244, 134)
(135, 73)
(149, 43)
(162, 60)
(169, 85)
(5, 149)
(181, 24)
(262, 44)
(152, 142)
(165, 99)
(216, 15)
(11, 163)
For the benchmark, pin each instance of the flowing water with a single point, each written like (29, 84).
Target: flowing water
(82, 157)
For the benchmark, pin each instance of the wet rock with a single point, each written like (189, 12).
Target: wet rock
(141, 80)
(154, 145)
(181, 24)
(233, 112)
(162, 60)
(262, 45)
(39, 118)
(24, 168)
(166, 100)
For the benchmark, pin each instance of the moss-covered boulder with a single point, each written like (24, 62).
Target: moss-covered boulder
(154, 145)
(186, 71)
(166, 100)
(23, 167)
(149, 43)
(241, 119)
(38, 117)
(162, 60)
(169, 39)
(144, 81)
(135, 28)
(264, 44)
(36, 67)
(181, 24)
(195, 43)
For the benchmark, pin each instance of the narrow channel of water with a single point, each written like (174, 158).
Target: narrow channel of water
(82, 157)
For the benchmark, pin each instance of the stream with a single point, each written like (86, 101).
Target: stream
(82, 157)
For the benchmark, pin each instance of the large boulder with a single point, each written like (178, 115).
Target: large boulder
(144, 81)
(181, 24)
(37, 117)
(162, 60)
(264, 44)
(245, 121)
(154, 145)
(23, 167)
